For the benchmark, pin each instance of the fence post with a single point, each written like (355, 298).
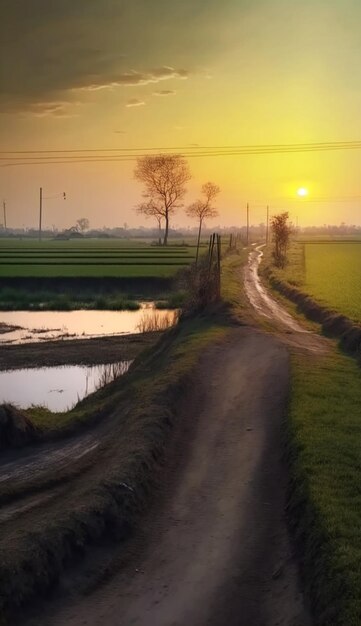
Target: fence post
(219, 266)
(209, 245)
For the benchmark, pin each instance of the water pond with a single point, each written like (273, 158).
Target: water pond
(56, 388)
(31, 326)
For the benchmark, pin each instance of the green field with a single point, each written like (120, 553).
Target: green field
(91, 258)
(324, 434)
(333, 276)
(330, 272)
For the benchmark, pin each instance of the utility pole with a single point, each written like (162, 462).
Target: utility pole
(247, 224)
(4, 207)
(40, 211)
(267, 225)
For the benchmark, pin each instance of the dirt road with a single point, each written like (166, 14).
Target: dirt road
(283, 325)
(214, 550)
(261, 300)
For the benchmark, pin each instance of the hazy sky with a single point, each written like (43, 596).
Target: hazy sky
(91, 74)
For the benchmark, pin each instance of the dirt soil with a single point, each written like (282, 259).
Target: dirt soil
(75, 351)
(279, 321)
(215, 548)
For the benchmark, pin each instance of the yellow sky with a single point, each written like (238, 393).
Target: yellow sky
(91, 75)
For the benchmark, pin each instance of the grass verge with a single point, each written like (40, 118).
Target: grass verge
(323, 442)
(12, 299)
(68, 293)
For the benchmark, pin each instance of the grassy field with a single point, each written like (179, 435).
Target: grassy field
(333, 276)
(325, 502)
(91, 258)
(89, 273)
(329, 272)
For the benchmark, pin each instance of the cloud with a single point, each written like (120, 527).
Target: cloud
(50, 50)
(134, 102)
(164, 92)
(134, 78)
(52, 109)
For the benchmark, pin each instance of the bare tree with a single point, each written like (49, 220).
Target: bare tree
(164, 177)
(281, 231)
(152, 209)
(82, 224)
(202, 209)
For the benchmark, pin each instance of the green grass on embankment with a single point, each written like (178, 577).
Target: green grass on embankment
(232, 290)
(324, 446)
(12, 299)
(329, 272)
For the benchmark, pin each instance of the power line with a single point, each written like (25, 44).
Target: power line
(323, 199)
(107, 155)
(318, 145)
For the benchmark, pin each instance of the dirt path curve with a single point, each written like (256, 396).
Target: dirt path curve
(286, 327)
(214, 550)
(260, 299)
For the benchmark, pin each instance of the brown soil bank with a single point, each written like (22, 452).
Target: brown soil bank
(17, 428)
(76, 351)
(332, 323)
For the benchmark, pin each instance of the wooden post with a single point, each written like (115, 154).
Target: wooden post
(218, 266)
(209, 246)
(247, 224)
(199, 241)
(267, 226)
(211, 255)
(40, 212)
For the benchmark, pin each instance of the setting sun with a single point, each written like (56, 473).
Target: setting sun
(302, 192)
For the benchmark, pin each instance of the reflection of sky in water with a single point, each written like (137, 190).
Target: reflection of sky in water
(78, 323)
(57, 388)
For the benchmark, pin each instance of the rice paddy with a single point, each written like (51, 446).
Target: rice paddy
(91, 258)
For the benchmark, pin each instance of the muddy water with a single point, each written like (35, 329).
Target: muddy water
(48, 325)
(56, 388)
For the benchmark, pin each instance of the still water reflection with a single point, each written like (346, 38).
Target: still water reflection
(57, 388)
(45, 325)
